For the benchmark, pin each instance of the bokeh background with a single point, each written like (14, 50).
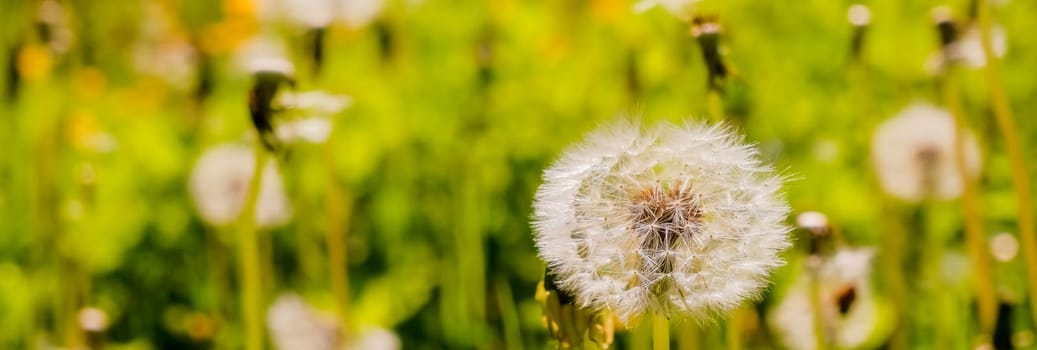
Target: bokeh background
(456, 107)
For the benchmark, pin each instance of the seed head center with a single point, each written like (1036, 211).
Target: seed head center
(662, 215)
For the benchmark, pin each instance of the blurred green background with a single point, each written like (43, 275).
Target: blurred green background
(457, 106)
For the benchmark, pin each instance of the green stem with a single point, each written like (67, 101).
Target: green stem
(715, 103)
(248, 253)
(974, 231)
(1006, 123)
(733, 332)
(660, 332)
(338, 207)
(509, 314)
(816, 307)
(688, 337)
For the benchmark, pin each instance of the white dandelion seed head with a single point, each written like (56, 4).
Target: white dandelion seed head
(812, 220)
(317, 107)
(1004, 247)
(219, 186)
(92, 319)
(682, 9)
(309, 13)
(685, 221)
(163, 53)
(914, 154)
(859, 15)
(263, 54)
(853, 315)
(358, 13)
(294, 325)
(316, 103)
(311, 130)
(968, 49)
(375, 339)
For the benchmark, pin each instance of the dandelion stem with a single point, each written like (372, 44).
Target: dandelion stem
(1006, 123)
(248, 252)
(338, 206)
(715, 103)
(974, 234)
(733, 330)
(688, 338)
(820, 337)
(660, 332)
(892, 248)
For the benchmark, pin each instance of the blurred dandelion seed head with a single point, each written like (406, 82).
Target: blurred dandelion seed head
(317, 109)
(219, 186)
(308, 13)
(852, 312)
(812, 221)
(375, 339)
(680, 220)
(263, 54)
(914, 154)
(1004, 247)
(358, 13)
(859, 15)
(294, 325)
(54, 20)
(682, 9)
(92, 319)
(967, 49)
(315, 103)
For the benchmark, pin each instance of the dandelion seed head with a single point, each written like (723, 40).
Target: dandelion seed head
(679, 220)
(376, 339)
(92, 319)
(317, 103)
(812, 221)
(682, 9)
(914, 154)
(970, 48)
(859, 15)
(317, 108)
(852, 313)
(219, 186)
(1004, 247)
(358, 13)
(294, 325)
(264, 54)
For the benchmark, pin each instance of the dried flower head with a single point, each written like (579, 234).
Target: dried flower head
(914, 154)
(219, 187)
(675, 220)
(854, 317)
